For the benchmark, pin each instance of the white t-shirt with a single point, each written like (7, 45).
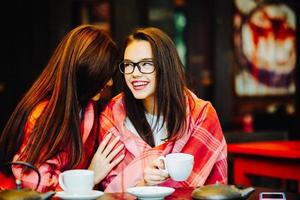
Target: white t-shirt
(159, 132)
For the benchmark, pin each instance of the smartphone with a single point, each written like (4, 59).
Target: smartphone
(272, 196)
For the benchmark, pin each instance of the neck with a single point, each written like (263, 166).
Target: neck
(149, 104)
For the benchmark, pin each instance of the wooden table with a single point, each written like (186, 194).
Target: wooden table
(185, 194)
(277, 159)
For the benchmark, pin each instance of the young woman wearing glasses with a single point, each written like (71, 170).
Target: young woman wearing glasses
(157, 115)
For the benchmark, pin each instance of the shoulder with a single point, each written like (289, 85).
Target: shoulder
(195, 103)
(115, 106)
(116, 102)
(119, 98)
(114, 114)
(203, 116)
(198, 107)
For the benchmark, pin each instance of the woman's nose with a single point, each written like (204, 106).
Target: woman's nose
(136, 71)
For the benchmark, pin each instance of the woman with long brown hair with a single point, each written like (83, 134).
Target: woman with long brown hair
(157, 115)
(54, 126)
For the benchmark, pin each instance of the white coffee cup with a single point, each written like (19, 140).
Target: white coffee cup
(178, 165)
(77, 181)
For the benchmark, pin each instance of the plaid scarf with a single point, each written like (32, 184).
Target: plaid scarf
(204, 139)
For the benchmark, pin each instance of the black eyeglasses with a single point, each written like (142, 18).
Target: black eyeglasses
(145, 66)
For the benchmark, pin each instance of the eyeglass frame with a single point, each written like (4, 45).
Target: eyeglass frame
(136, 64)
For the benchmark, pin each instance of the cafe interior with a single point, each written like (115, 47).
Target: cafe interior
(241, 55)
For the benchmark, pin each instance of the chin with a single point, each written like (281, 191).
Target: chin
(140, 96)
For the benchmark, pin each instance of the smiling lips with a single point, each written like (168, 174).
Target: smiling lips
(139, 85)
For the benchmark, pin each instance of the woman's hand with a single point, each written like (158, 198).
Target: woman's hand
(103, 161)
(153, 175)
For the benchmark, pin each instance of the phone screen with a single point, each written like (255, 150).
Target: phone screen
(270, 195)
(276, 196)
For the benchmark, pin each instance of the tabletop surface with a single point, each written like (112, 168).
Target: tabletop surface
(185, 194)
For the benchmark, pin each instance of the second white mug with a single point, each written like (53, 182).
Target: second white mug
(77, 181)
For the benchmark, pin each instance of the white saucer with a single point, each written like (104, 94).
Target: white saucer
(150, 192)
(93, 195)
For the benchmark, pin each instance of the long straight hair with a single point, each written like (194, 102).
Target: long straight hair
(80, 66)
(170, 86)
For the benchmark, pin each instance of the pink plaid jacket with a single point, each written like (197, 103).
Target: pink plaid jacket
(204, 139)
(51, 169)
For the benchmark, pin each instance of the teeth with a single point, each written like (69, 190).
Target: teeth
(139, 83)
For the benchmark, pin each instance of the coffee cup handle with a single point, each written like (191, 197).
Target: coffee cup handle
(61, 182)
(162, 158)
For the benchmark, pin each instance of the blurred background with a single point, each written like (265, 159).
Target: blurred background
(239, 54)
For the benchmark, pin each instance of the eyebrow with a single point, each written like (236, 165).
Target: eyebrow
(144, 59)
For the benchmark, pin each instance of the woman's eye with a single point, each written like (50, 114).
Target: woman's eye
(127, 64)
(148, 63)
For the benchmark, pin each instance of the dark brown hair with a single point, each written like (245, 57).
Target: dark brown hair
(170, 86)
(81, 65)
